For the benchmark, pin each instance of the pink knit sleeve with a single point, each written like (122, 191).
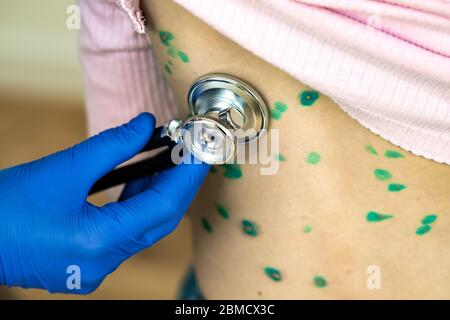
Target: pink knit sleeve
(120, 72)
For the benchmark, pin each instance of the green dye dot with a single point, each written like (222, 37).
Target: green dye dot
(172, 51)
(170, 62)
(307, 98)
(273, 273)
(429, 219)
(373, 216)
(166, 37)
(207, 225)
(280, 106)
(168, 68)
(232, 171)
(307, 229)
(275, 114)
(396, 187)
(371, 150)
(392, 154)
(250, 228)
(222, 211)
(382, 175)
(313, 158)
(423, 229)
(320, 281)
(183, 56)
(280, 157)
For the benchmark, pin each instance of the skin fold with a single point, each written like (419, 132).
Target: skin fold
(339, 211)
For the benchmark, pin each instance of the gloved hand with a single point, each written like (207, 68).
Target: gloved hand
(52, 238)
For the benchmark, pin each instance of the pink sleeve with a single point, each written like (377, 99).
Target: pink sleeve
(120, 72)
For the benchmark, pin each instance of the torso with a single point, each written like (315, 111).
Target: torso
(312, 218)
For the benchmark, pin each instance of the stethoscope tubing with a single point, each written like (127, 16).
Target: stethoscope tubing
(144, 168)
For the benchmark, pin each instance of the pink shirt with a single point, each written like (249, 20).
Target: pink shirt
(386, 63)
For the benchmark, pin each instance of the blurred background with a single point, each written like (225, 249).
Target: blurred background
(41, 111)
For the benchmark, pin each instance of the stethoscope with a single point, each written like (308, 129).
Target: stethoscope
(225, 114)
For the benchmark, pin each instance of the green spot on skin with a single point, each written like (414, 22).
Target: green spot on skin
(313, 158)
(382, 175)
(423, 229)
(307, 98)
(273, 273)
(307, 229)
(371, 150)
(183, 56)
(170, 62)
(396, 187)
(232, 171)
(280, 157)
(320, 282)
(392, 154)
(280, 106)
(373, 216)
(168, 68)
(222, 211)
(250, 228)
(275, 114)
(206, 225)
(429, 219)
(172, 51)
(166, 37)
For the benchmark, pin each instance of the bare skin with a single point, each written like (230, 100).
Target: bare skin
(312, 218)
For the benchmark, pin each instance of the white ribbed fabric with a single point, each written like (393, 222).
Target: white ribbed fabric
(122, 77)
(386, 63)
(397, 89)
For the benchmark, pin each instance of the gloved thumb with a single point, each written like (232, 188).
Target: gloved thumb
(95, 157)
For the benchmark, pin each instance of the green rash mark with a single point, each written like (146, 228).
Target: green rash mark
(373, 216)
(396, 187)
(307, 98)
(206, 225)
(313, 158)
(172, 51)
(307, 229)
(250, 228)
(371, 150)
(168, 68)
(232, 171)
(392, 154)
(278, 111)
(423, 229)
(382, 175)
(223, 212)
(166, 37)
(429, 219)
(320, 282)
(183, 56)
(273, 273)
(280, 157)
(275, 114)
(280, 106)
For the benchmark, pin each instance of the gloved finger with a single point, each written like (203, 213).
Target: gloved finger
(134, 187)
(168, 197)
(98, 155)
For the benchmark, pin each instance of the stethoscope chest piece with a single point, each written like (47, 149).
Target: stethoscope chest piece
(225, 112)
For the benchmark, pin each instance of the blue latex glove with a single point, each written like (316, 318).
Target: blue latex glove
(50, 234)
